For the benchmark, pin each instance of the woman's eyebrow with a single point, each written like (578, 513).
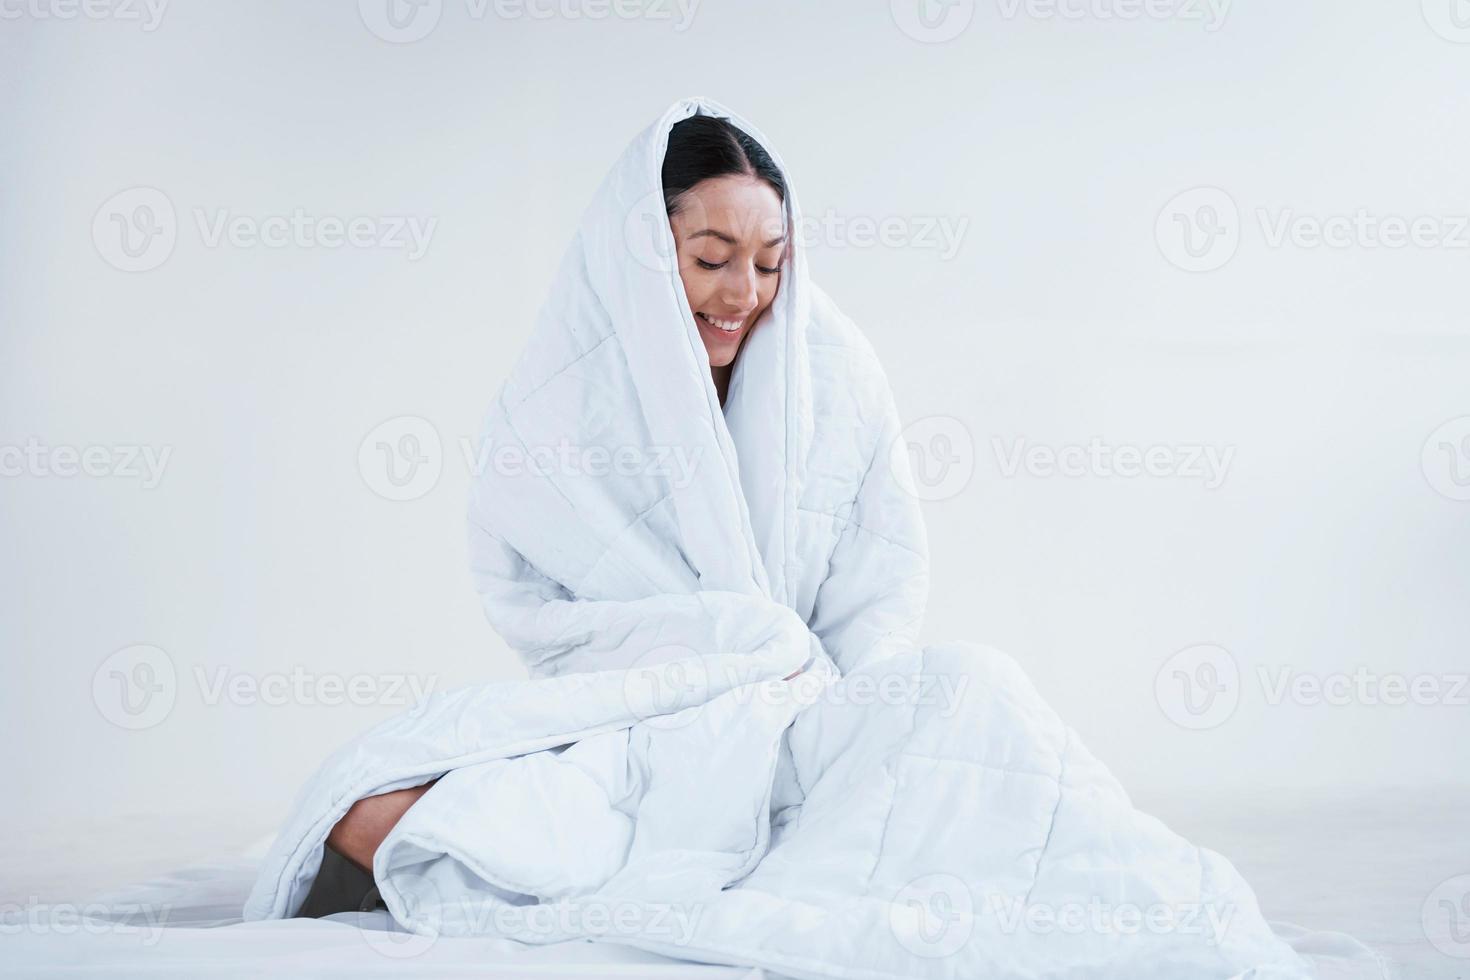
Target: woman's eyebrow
(711, 232)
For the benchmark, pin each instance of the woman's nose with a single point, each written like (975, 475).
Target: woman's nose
(741, 289)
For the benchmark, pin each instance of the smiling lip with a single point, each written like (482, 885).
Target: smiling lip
(721, 323)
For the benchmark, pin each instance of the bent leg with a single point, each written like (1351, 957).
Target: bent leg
(362, 829)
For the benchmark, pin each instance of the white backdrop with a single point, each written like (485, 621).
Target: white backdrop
(238, 238)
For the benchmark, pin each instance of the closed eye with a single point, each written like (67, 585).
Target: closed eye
(713, 266)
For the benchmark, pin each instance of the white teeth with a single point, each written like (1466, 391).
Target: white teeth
(729, 326)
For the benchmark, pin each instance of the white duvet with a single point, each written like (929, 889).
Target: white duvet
(662, 565)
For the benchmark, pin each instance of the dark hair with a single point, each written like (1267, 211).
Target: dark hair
(701, 147)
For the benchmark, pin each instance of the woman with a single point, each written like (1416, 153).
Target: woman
(724, 198)
(694, 528)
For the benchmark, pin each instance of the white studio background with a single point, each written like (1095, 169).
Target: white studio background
(1098, 227)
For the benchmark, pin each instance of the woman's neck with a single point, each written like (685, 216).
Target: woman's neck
(722, 381)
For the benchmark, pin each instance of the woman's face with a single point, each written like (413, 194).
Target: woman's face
(731, 236)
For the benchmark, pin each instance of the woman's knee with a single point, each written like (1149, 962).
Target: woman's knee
(363, 828)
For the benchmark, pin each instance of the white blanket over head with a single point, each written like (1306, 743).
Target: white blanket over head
(661, 565)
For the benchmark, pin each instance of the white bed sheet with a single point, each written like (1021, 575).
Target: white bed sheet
(187, 923)
(1362, 865)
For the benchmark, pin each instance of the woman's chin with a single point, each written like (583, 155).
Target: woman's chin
(721, 346)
